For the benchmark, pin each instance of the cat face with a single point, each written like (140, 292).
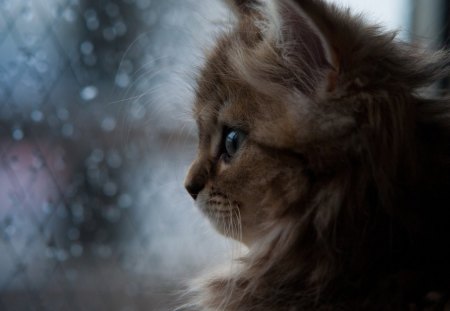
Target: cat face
(240, 179)
(250, 168)
(291, 106)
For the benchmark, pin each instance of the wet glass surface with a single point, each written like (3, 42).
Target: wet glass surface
(95, 139)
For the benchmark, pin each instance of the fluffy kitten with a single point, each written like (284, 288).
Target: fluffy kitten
(319, 152)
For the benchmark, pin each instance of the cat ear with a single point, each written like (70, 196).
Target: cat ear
(242, 7)
(304, 45)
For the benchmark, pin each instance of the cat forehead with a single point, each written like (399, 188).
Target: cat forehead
(226, 97)
(219, 88)
(227, 105)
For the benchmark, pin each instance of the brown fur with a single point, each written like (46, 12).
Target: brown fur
(341, 188)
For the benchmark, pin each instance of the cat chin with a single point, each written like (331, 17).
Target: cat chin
(222, 214)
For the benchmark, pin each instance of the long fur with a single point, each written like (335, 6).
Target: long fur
(362, 219)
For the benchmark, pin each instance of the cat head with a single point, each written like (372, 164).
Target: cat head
(304, 115)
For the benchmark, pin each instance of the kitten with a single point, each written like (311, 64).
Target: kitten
(319, 152)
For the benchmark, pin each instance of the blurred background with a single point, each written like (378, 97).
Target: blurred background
(95, 140)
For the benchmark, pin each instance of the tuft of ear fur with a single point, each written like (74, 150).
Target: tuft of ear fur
(242, 7)
(304, 45)
(290, 50)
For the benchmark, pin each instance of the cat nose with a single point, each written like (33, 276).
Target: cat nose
(198, 176)
(196, 179)
(193, 188)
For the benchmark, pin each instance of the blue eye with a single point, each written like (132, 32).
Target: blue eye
(233, 141)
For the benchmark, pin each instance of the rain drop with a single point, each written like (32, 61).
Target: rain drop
(92, 22)
(76, 250)
(90, 60)
(37, 116)
(87, 47)
(97, 155)
(110, 188)
(125, 200)
(27, 13)
(113, 214)
(73, 234)
(37, 162)
(67, 130)
(89, 93)
(69, 15)
(122, 80)
(112, 10)
(63, 114)
(114, 159)
(120, 28)
(108, 124)
(143, 4)
(109, 33)
(47, 207)
(17, 134)
(61, 255)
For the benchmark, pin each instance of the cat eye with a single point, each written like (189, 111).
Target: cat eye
(232, 142)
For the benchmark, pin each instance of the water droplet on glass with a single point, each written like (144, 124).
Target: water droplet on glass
(114, 159)
(61, 212)
(113, 214)
(109, 33)
(93, 175)
(120, 28)
(97, 155)
(92, 22)
(90, 13)
(73, 234)
(88, 93)
(126, 66)
(137, 111)
(143, 4)
(29, 38)
(67, 130)
(110, 188)
(63, 114)
(17, 134)
(10, 230)
(87, 47)
(37, 116)
(125, 200)
(42, 66)
(112, 9)
(151, 18)
(90, 60)
(69, 15)
(27, 13)
(37, 162)
(61, 255)
(76, 250)
(108, 124)
(77, 211)
(47, 207)
(50, 252)
(122, 80)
